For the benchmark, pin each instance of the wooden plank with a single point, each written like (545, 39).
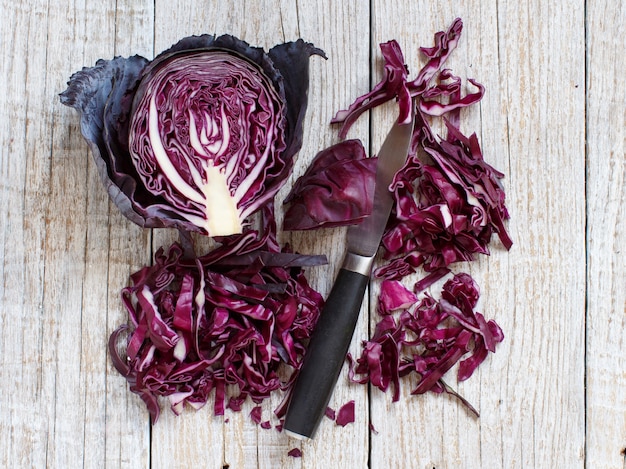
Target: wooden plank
(24, 183)
(544, 399)
(50, 395)
(61, 314)
(606, 237)
(341, 29)
(433, 431)
(73, 328)
(127, 426)
(531, 392)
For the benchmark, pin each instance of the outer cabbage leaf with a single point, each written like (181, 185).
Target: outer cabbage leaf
(336, 189)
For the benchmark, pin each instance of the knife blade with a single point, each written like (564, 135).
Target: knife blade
(333, 332)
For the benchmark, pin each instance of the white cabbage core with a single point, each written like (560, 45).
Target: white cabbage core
(221, 213)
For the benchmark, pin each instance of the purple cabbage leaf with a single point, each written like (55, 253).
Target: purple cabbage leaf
(336, 189)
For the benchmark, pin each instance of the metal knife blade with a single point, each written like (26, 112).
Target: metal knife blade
(333, 332)
(363, 239)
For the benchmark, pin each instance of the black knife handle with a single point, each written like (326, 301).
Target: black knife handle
(326, 354)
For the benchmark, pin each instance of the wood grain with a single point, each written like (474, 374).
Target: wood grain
(552, 120)
(606, 233)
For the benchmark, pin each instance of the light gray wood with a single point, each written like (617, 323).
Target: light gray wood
(606, 236)
(552, 120)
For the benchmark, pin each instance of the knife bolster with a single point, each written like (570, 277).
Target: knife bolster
(357, 263)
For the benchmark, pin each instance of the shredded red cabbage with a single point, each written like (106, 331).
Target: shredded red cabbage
(427, 339)
(449, 201)
(198, 325)
(448, 204)
(450, 211)
(395, 83)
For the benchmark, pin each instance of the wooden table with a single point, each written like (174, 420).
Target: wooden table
(554, 393)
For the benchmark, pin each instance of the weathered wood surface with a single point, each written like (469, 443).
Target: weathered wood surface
(553, 120)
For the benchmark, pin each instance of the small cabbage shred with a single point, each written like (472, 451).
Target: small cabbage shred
(345, 414)
(295, 453)
(200, 137)
(448, 200)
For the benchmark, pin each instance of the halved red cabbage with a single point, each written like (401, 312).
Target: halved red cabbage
(199, 138)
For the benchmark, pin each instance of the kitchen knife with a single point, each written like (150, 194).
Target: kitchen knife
(333, 333)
